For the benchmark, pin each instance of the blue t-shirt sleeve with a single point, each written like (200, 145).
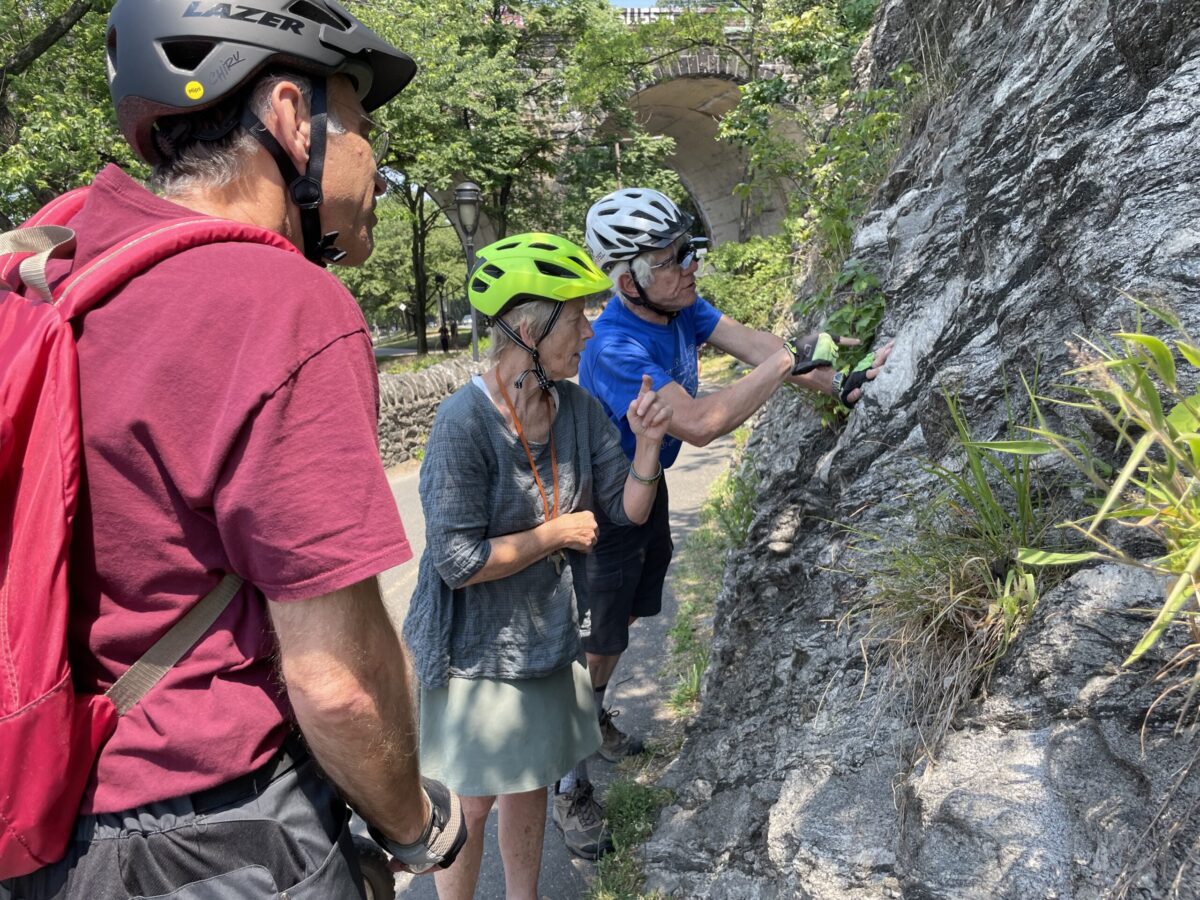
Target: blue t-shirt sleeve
(617, 374)
(705, 317)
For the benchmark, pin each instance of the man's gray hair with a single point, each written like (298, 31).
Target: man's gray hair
(639, 267)
(199, 166)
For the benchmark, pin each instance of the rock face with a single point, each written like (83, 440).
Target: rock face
(1058, 169)
(409, 402)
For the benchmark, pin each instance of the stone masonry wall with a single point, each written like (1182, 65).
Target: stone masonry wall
(409, 402)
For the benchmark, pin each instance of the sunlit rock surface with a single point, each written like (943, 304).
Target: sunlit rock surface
(1059, 169)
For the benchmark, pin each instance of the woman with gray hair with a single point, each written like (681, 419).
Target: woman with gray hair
(515, 465)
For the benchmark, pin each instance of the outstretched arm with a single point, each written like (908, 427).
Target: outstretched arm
(753, 347)
(700, 420)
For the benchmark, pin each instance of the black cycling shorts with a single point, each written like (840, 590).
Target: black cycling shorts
(625, 574)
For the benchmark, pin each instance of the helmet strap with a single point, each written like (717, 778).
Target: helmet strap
(304, 190)
(642, 300)
(538, 371)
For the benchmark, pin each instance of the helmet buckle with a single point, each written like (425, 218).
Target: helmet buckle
(306, 192)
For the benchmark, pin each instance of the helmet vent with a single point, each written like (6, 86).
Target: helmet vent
(540, 246)
(315, 13)
(579, 262)
(187, 55)
(549, 268)
(478, 285)
(492, 271)
(508, 246)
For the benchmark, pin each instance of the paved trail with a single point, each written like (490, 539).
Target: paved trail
(636, 688)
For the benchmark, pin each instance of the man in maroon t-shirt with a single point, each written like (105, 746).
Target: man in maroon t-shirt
(229, 402)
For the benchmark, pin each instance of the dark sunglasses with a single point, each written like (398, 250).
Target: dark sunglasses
(684, 256)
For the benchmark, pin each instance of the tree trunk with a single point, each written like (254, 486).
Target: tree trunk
(45, 39)
(419, 277)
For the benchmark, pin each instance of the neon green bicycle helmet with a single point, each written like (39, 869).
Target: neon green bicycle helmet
(530, 267)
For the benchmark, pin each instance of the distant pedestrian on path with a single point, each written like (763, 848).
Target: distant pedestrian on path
(654, 324)
(516, 461)
(444, 335)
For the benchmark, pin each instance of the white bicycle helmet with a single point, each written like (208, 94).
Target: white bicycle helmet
(631, 221)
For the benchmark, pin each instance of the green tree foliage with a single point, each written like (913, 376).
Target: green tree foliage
(385, 286)
(57, 128)
(509, 96)
(750, 280)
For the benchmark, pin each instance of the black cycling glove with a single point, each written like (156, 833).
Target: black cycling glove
(812, 351)
(845, 383)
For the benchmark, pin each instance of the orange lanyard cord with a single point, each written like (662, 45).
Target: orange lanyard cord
(550, 514)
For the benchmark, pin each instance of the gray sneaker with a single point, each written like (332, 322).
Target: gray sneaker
(580, 818)
(616, 744)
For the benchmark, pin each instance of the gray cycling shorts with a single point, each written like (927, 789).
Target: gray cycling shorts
(281, 831)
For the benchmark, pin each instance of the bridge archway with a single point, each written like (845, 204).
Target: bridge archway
(685, 99)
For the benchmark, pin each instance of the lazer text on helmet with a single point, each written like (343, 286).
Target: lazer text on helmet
(245, 14)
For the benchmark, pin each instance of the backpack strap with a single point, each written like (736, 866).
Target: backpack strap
(108, 272)
(58, 211)
(42, 241)
(167, 650)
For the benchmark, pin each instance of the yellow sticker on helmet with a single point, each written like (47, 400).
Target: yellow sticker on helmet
(194, 90)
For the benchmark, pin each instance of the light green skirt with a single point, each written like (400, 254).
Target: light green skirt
(485, 736)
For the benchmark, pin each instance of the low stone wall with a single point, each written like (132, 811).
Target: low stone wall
(408, 403)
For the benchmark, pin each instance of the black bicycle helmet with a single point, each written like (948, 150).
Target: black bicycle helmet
(170, 58)
(173, 57)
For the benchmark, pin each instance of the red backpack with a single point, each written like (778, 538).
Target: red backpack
(50, 735)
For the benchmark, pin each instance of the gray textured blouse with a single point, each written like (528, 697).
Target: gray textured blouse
(475, 485)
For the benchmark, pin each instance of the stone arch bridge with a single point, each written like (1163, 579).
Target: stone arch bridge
(684, 97)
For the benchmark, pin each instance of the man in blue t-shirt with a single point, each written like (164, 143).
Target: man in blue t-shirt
(653, 325)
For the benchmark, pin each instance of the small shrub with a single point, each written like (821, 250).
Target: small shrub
(750, 281)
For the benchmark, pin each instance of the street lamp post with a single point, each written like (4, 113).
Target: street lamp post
(466, 197)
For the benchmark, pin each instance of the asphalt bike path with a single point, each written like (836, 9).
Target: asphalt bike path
(637, 689)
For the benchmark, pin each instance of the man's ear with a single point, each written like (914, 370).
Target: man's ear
(627, 285)
(288, 120)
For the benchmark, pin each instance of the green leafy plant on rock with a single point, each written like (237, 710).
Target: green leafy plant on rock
(950, 595)
(1149, 401)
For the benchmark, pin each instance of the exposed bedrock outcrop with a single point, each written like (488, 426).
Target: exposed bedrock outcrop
(1058, 170)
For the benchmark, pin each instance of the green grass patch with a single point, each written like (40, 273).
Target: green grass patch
(632, 807)
(952, 593)
(718, 368)
(698, 569)
(404, 365)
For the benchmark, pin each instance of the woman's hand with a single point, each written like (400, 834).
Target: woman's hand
(648, 415)
(577, 531)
